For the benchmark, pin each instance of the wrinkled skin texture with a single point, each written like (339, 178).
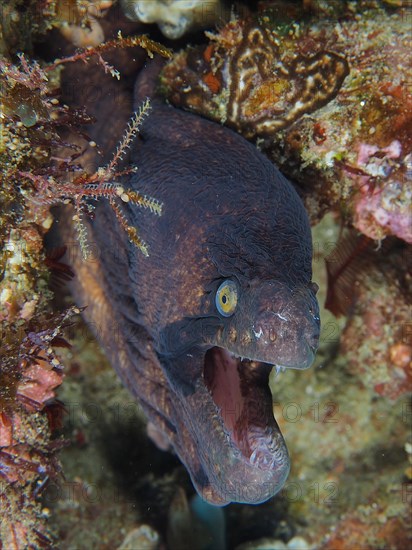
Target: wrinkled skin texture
(228, 213)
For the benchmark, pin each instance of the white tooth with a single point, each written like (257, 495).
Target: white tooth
(261, 458)
(279, 369)
(253, 456)
(281, 317)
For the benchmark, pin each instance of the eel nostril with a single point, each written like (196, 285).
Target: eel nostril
(314, 287)
(312, 339)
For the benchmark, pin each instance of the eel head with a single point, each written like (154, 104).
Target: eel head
(219, 365)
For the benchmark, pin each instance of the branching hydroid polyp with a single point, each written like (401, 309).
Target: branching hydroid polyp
(102, 184)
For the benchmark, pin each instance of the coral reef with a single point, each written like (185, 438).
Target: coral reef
(369, 527)
(295, 543)
(79, 22)
(372, 287)
(327, 100)
(29, 374)
(143, 537)
(174, 17)
(376, 340)
(34, 177)
(22, 23)
(29, 369)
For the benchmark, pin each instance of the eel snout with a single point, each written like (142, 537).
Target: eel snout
(286, 328)
(277, 325)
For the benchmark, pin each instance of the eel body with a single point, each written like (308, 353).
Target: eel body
(225, 294)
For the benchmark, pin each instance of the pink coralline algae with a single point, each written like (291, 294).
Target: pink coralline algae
(377, 337)
(29, 374)
(383, 209)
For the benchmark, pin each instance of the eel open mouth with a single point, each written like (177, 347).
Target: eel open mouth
(224, 430)
(240, 391)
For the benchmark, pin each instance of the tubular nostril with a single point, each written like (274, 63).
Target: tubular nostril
(313, 340)
(312, 334)
(314, 287)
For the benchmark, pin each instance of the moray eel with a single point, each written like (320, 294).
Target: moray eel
(195, 328)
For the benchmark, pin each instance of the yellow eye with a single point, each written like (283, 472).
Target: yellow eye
(226, 298)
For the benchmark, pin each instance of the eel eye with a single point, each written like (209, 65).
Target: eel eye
(226, 298)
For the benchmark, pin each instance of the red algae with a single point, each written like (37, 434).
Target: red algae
(29, 375)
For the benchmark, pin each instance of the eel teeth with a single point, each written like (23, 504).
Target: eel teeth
(279, 369)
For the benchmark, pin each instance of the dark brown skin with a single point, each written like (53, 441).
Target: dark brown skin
(228, 214)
